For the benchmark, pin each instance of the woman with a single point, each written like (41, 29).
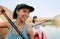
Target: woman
(21, 13)
(38, 34)
(35, 19)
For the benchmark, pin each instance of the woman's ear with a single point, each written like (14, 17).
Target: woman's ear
(17, 11)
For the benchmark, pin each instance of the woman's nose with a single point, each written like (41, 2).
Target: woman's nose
(27, 14)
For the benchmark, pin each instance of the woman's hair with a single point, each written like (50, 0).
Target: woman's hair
(34, 18)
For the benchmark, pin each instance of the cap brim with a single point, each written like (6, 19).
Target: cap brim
(28, 7)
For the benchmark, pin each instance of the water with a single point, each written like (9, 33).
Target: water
(51, 32)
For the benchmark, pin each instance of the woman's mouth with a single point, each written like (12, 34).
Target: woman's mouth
(25, 17)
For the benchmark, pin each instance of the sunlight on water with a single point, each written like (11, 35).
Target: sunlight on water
(51, 32)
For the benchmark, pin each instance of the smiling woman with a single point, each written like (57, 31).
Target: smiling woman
(21, 13)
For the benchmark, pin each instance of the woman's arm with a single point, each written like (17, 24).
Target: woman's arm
(4, 24)
(30, 32)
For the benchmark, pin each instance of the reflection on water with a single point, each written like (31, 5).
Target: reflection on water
(51, 32)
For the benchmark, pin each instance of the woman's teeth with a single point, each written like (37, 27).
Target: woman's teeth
(24, 17)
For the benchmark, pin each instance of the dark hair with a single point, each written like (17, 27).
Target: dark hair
(21, 6)
(34, 18)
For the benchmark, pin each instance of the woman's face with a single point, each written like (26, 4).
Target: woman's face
(23, 14)
(35, 19)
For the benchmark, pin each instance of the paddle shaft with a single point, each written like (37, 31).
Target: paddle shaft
(13, 25)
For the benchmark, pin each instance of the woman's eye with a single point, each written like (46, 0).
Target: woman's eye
(24, 11)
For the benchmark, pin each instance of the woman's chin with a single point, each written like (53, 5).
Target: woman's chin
(23, 20)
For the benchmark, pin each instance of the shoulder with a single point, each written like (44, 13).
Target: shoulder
(29, 28)
(29, 25)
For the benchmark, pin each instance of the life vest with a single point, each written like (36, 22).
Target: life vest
(42, 36)
(36, 36)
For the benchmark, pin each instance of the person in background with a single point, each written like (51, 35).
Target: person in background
(35, 19)
(21, 13)
(38, 34)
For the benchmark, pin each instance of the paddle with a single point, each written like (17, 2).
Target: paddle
(41, 23)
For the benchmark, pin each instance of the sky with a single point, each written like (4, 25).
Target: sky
(43, 8)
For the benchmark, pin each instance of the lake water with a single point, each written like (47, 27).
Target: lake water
(51, 32)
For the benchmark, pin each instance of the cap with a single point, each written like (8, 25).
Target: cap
(20, 6)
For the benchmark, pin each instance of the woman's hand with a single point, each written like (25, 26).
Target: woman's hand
(4, 9)
(7, 11)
